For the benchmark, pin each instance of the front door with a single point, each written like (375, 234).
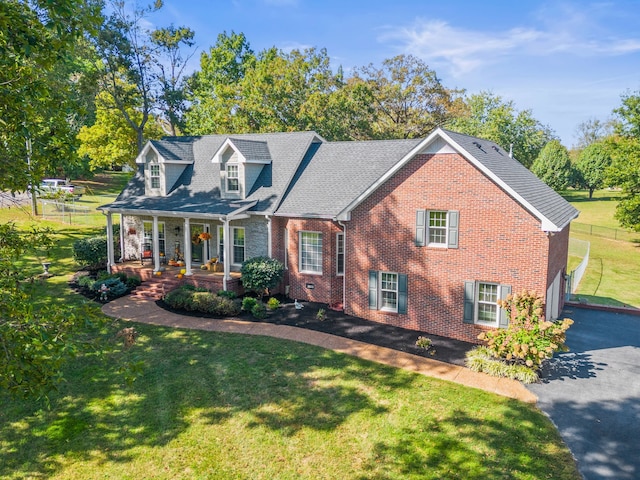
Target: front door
(199, 245)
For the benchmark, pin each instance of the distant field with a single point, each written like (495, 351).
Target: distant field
(612, 275)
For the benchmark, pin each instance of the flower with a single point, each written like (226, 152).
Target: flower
(205, 236)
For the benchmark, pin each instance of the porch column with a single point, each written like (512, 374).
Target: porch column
(269, 241)
(226, 246)
(187, 246)
(156, 245)
(110, 259)
(121, 237)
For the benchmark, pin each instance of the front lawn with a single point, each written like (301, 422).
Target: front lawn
(214, 405)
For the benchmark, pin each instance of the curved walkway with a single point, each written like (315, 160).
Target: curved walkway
(146, 311)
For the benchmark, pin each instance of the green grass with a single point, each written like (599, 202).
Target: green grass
(611, 277)
(214, 405)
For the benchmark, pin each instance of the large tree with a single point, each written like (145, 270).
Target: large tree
(409, 99)
(110, 141)
(214, 91)
(553, 166)
(624, 171)
(591, 167)
(490, 116)
(39, 42)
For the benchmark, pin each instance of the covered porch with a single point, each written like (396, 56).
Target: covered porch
(171, 276)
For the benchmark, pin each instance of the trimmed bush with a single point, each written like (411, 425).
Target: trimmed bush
(85, 281)
(91, 252)
(181, 298)
(259, 274)
(273, 303)
(259, 311)
(188, 298)
(248, 303)
(227, 294)
(115, 287)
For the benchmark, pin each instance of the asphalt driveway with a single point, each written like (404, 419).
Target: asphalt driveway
(592, 393)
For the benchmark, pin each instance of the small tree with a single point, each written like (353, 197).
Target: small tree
(592, 165)
(259, 274)
(91, 252)
(529, 339)
(553, 166)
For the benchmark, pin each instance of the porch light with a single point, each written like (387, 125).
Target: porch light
(177, 229)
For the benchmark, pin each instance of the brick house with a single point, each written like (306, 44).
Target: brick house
(425, 234)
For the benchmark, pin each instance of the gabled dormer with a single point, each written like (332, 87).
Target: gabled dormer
(162, 166)
(241, 162)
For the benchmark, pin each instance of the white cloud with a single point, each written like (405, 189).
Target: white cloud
(463, 50)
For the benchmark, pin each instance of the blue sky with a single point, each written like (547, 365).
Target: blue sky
(565, 61)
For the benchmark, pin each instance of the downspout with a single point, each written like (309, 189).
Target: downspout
(344, 273)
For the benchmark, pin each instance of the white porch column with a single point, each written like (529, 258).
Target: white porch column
(110, 259)
(187, 246)
(269, 242)
(121, 237)
(156, 245)
(226, 246)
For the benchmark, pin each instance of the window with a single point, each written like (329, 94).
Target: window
(238, 245)
(232, 178)
(220, 244)
(310, 252)
(388, 291)
(487, 303)
(147, 236)
(437, 228)
(154, 173)
(481, 303)
(340, 253)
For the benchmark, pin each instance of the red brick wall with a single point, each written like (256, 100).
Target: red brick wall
(499, 241)
(558, 252)
(327, 288)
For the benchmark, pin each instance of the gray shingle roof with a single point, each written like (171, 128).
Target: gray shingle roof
(198, 190)
(308, 177)
(532, 192)
(252, 149)
(339, 173)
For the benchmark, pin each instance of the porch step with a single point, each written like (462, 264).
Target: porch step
(155, 289)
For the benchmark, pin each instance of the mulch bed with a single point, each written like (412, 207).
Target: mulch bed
(337, 323)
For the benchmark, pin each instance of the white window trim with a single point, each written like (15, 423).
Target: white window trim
(429, 228)
(338, 272)
(477, 303)
(149, 238)
(380, 290)
(152, 177)
(233, 245)
(311, 272)
(228, 177)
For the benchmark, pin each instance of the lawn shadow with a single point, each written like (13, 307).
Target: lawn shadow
(262, 382)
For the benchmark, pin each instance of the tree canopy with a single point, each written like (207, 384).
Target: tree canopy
(553, 166)
(490, 116)
(591, 167)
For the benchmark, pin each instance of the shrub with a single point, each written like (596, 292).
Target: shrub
(114, 285)
(180, 298)
(248, 303)
(85, 281)
(259, 274)
(424, 342)
(259, 310)
(321, 314)
(528, 340)
(91, 252)
(227, 294)
(273, 303)
(186, 297)
(227, 307)
(481, 359)
(133, 282)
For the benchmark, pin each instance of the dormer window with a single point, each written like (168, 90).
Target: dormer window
(154, 174)
(233, 184)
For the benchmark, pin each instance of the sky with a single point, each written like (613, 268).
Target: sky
(565, 61)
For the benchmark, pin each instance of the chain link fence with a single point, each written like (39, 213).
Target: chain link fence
(605, 232)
